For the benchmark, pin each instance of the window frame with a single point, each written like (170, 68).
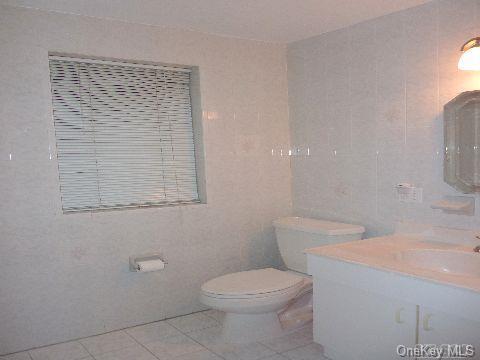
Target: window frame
(196, 123)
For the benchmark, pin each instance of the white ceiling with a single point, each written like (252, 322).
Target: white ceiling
(268, 20)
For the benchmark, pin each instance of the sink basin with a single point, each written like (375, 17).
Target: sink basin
(452, 262)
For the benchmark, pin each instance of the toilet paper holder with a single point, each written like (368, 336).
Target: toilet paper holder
(133, 260)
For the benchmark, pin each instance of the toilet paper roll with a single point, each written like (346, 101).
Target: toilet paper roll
(150, 265)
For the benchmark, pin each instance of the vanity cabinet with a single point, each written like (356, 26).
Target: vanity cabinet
(351, 323)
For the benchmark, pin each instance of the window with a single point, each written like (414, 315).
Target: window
(124, 134)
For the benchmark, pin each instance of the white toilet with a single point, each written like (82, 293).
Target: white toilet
(268, 302)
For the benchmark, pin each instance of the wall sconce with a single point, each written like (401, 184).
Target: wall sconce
(470, 59)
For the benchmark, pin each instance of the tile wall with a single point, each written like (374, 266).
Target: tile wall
(66, 276)
(367, 102)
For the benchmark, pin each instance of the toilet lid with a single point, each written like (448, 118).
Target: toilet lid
(252, 282)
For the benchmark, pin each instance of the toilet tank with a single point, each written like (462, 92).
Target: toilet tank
(295, 234)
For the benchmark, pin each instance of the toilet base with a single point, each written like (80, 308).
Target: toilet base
(245, 328)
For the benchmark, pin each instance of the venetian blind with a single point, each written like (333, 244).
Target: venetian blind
(124, 134)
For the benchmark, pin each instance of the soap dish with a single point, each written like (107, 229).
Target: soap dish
(461, 205)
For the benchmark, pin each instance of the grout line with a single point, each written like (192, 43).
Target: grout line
(212, 351)
(203, 328)
(269, 356)
(210, 316)
(437, 55)
(191, 338)
(206, 327)
(283, 352)
(402, 210)
(88, 352)
(375, 116)
(142, 345)
(350, 116)
(180, 331)
(405, 89)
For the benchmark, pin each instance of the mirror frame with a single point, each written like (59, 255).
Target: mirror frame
(452, 140)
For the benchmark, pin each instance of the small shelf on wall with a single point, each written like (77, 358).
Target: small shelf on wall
(460, 205)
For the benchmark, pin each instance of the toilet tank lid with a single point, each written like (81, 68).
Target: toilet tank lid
(317, 226)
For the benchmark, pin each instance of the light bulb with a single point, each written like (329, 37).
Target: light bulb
(470, 59)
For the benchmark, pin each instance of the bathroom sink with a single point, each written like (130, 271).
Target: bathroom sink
(445, 261)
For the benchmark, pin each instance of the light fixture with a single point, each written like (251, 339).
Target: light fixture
(470, 59)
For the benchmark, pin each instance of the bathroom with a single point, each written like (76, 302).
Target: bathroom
(331, 110)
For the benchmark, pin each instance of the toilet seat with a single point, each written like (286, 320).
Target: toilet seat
(252, 284)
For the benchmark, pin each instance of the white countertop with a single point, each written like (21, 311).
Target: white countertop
(382, 253)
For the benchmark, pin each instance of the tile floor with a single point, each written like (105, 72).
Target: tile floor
(189, 337)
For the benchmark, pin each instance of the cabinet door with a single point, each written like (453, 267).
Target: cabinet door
(355, 324)
(439, 328)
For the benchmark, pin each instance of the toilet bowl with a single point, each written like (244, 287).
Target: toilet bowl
(252, 302)
(266, 303)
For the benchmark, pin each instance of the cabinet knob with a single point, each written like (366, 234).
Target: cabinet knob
(426, 322)
(398, 316)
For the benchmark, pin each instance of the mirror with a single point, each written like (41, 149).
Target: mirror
(462, 142)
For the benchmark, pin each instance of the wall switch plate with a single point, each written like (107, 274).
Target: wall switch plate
(409, 193)
(417, 195)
